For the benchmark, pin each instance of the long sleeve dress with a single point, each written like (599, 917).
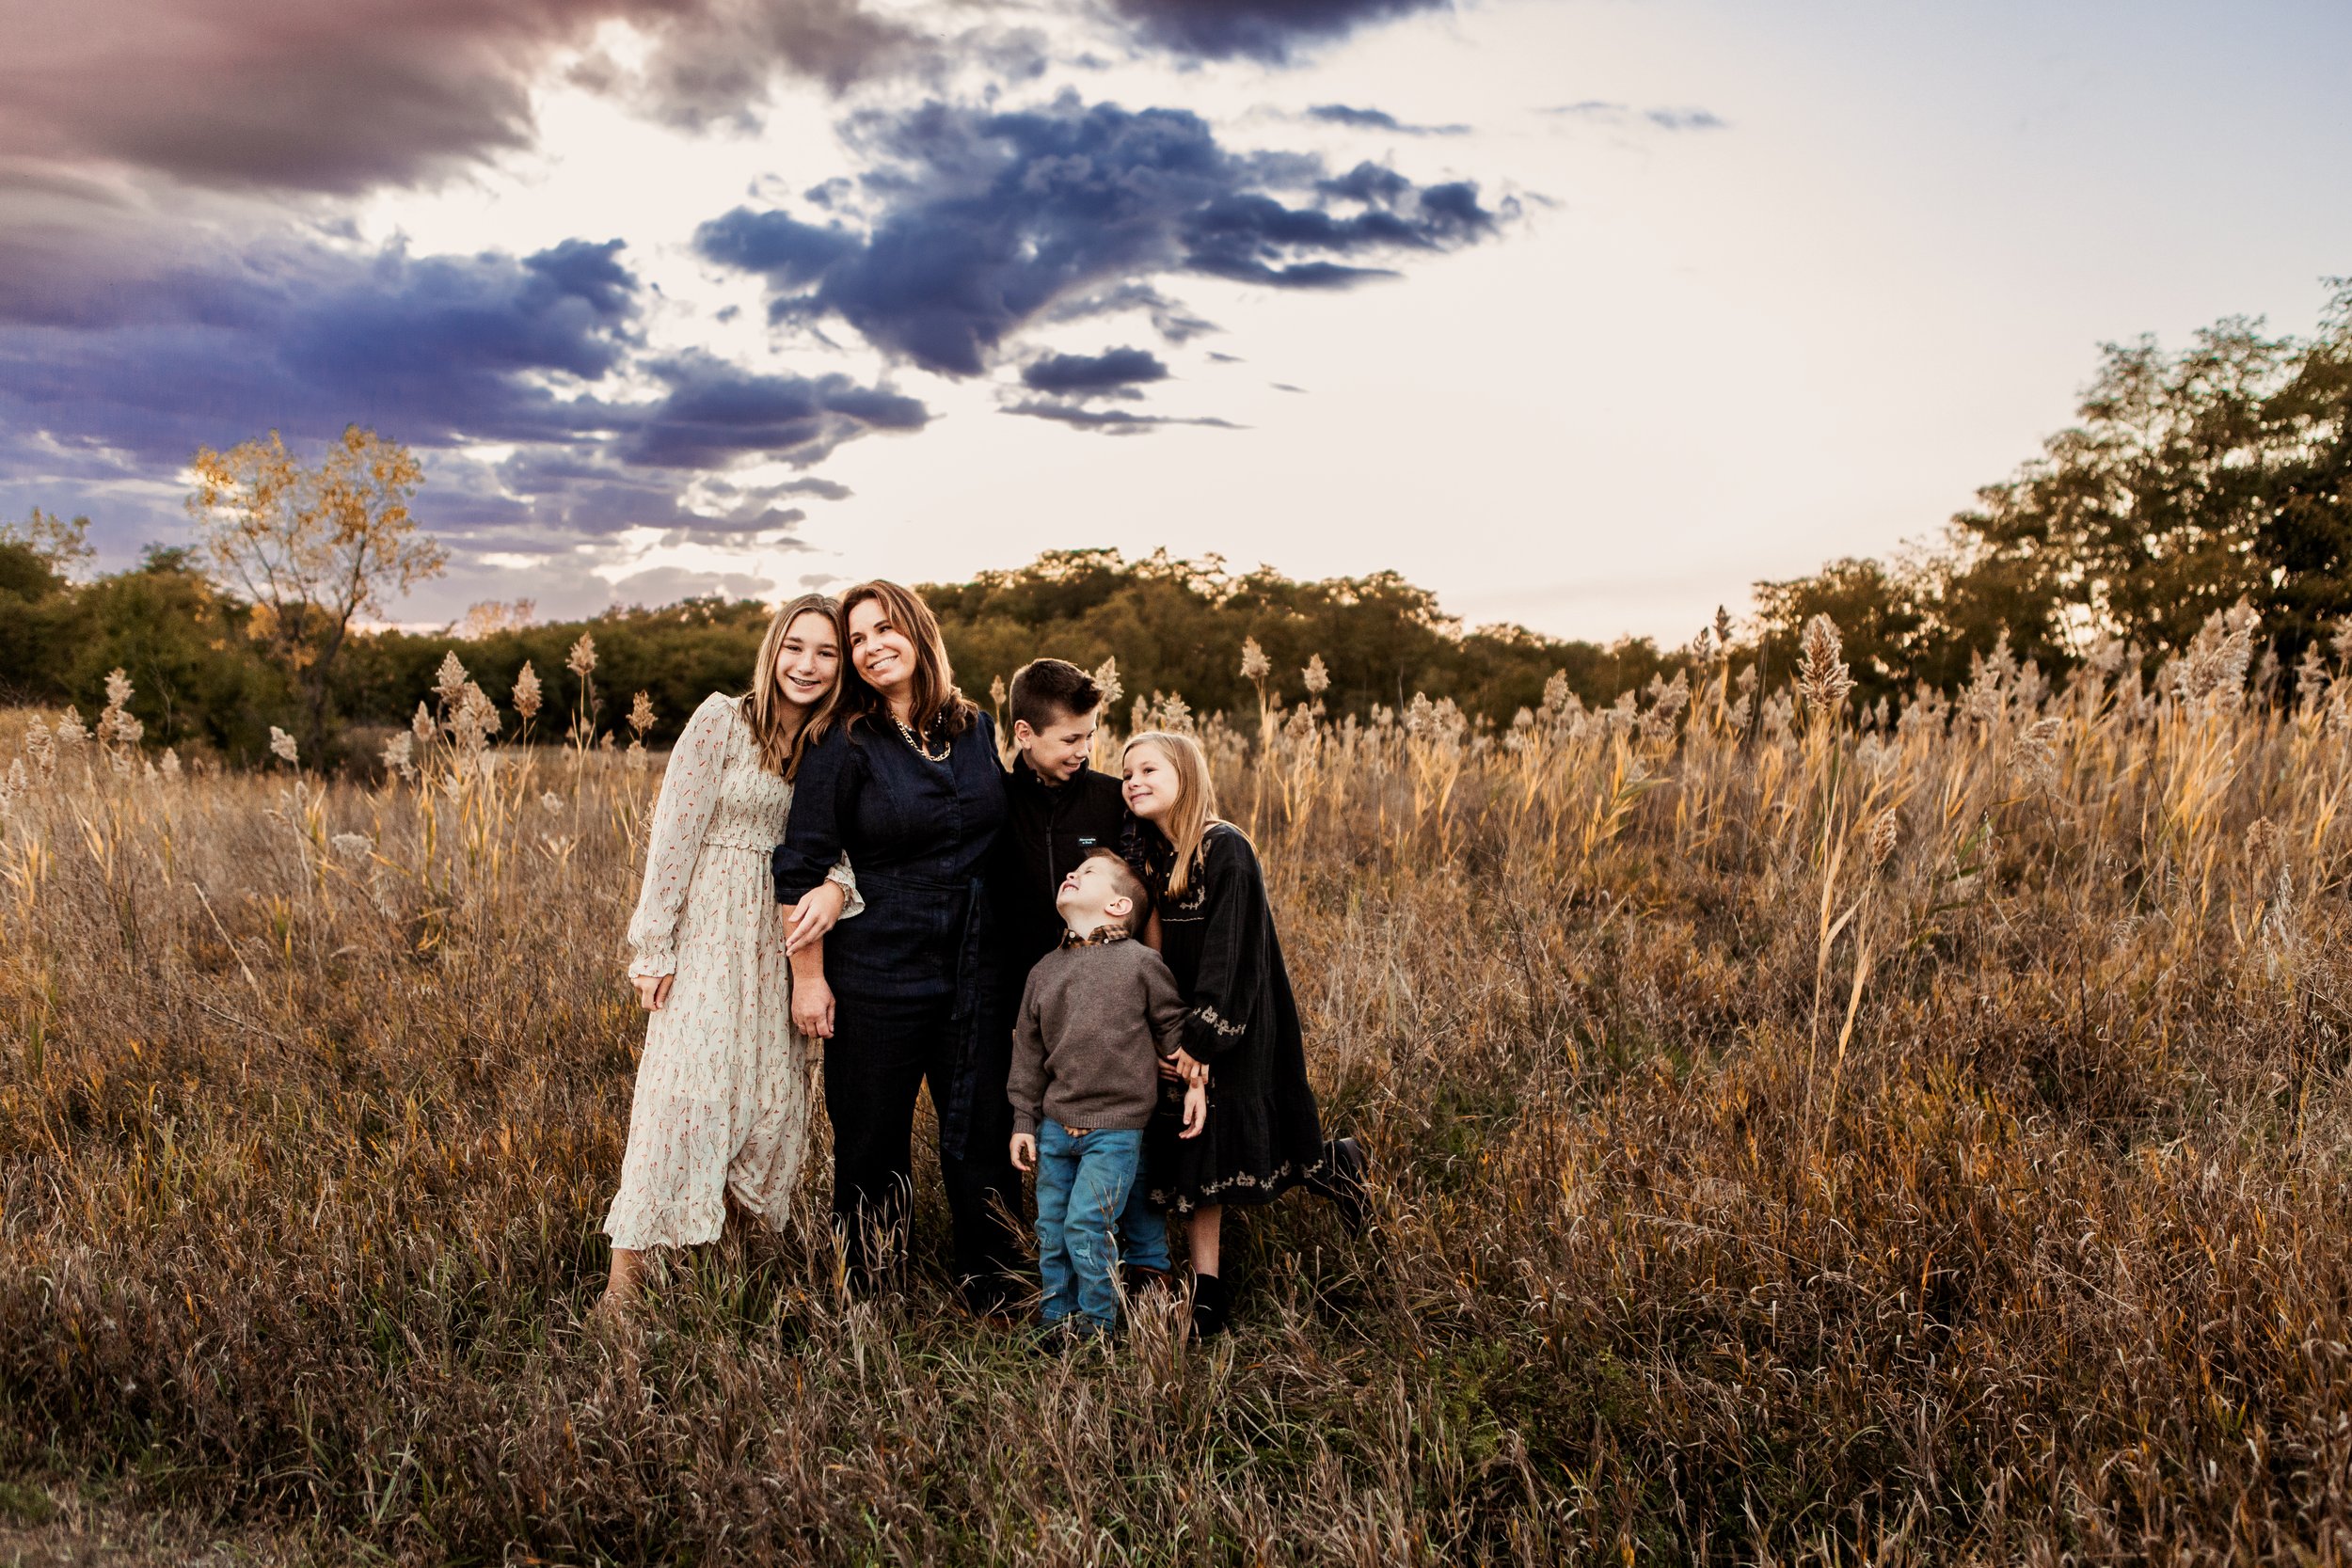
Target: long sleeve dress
(721, 1099)
(1263, 1134)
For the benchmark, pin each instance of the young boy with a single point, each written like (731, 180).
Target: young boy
(1058, 810)
(1097, 1015)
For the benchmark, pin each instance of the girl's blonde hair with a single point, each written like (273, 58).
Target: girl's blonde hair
(783, 743)
(1186, 824)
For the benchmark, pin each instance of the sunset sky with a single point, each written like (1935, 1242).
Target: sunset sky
(1587, 313)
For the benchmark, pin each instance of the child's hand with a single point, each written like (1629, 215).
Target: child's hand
(1196, 1111)
(1025, 1153)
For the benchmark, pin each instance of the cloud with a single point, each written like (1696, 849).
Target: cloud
(1107, 421)
(1086, 376)
(715, 412)
(1602, 111)
(240, 95)
(524, 382)
(1379, 120)
(666, 585)
(436, 350)
(987, 221)
(1276, 31)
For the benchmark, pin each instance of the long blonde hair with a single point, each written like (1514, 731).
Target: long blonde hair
(782, 743)
(1187, 823)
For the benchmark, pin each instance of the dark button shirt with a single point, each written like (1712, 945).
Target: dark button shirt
(918, 833)
(1048, 829)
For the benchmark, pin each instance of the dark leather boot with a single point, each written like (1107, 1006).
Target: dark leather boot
(1340, 1176)
(1209, 1307)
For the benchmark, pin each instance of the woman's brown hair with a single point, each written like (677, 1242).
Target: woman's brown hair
(782, 742)
(1187, 824)
(939, 707)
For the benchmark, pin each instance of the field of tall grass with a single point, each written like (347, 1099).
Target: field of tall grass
(1803, 1134)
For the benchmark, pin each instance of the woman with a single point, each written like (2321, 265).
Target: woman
(722, 1103)
(906, 778)
(1214, 927)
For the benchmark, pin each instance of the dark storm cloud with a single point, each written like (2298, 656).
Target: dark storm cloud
(438, 349)
(442, 352)
(1379, 120)
(715, 412)
(1083, 374)
(1271, 30)
(987, 221)
(243, 94)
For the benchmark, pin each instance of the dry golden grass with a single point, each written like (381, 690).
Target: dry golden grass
(1801, 1139)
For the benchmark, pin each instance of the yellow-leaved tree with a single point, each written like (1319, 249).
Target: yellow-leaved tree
(314, 546)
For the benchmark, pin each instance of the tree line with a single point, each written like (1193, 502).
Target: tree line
(2193, 480)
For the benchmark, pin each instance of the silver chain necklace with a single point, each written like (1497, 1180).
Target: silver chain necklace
(947, 748)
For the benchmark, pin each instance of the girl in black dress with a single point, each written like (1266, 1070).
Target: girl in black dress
(906, 778)
(1215, 930)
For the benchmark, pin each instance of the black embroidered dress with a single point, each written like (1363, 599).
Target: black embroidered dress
(1264, 1134)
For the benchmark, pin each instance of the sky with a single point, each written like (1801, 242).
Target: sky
(1587, 314)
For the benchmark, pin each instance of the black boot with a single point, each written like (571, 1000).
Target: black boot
(1339, 1177)
(1209, 1307)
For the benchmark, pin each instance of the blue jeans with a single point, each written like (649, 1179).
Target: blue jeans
(1082, 1187)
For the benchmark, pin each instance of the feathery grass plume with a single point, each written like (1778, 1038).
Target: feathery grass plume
(422, 728)
(581, 660)
(1254, 663)
(170, 766)
(116, 727)
(526, 695)
(281, 745)
(1106, 681)
(1743, 710)
(40, 745)
(2211, 674)
(450, 682)
(640, 714)
(1723, 632)
(2311, 679)
(398, 755)
(2033, 755)
(996, 694)
(353, 846)
(19, 785)
(552, 802)
(1318, 677)
(71, 731)
(1821, 674)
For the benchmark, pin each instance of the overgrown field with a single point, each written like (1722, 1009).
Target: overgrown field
(1801, 1135)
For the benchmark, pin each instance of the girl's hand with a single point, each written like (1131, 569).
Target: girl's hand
(818, 912)
(1196, 1111)
(1184, 1067)
(1025, 1153)
(812, 1009)
(652, 990)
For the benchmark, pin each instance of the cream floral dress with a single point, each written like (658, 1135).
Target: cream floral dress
(722, 1091)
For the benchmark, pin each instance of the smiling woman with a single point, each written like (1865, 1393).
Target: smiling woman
(907, 783)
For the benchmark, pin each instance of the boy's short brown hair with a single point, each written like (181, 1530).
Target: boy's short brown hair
(1127, 885)
(1045, 690)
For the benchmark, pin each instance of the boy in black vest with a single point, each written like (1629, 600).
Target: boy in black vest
(1059, 810)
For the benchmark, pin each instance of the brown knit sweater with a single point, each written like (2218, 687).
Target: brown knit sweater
(1094, 1021)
